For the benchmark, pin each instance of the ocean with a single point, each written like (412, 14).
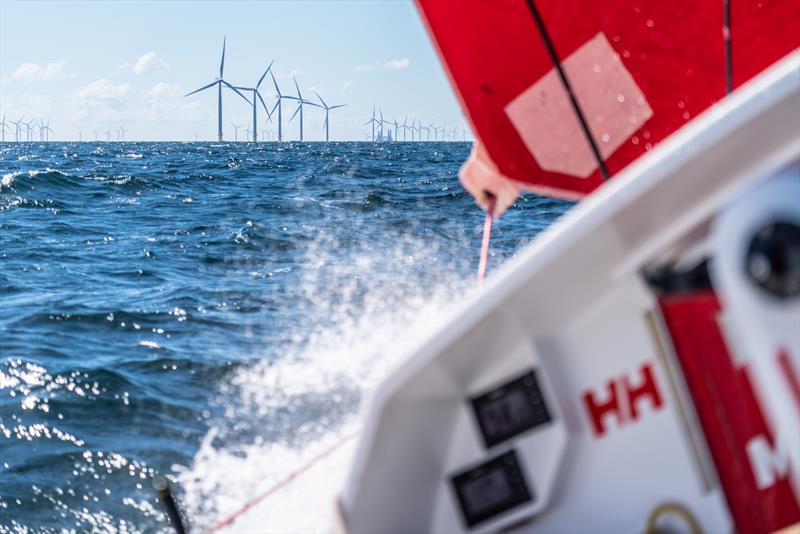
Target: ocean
(212, 312)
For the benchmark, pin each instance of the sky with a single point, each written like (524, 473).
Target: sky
(99, 65)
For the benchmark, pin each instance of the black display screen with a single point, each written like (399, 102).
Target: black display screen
(511, 409)
(491, 488)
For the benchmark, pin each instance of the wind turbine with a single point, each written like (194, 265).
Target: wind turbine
(29, 130)
(382, 122)
(95, 134)
(122, 131)
(3, 126)
(404, 126)
(47, 131)
(327, 110)
(16, 129)
(396, 128)
(279, 105)
(453, 133)
(431, 127)
(300, 103)
(372, 121)
(236, 130)
(257, 95)
(108, 135)
(219, 82)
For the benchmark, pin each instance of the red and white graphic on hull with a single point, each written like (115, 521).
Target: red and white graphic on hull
(752, 470)
(621, 398)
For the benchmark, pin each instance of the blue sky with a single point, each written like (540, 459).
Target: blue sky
(97, 65)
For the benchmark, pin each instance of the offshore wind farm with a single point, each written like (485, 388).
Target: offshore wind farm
(268, 121)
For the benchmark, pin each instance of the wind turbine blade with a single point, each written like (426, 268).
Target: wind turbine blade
(212, 84)
(297, 87)
(265, 74)
(222, 62)
(264, 104)
(236, 90)
(299, 105)
(339, 106)
(273, 110)
(320, 99)
(276, 85)
(369, 121)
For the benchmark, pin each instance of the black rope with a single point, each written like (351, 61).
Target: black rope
(726, 35)
(568, 87)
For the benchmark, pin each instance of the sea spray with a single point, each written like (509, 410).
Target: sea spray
(361, 317)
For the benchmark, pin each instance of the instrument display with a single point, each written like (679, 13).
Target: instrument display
(511, 409)
(491, 488)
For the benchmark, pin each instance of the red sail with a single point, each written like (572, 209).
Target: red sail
(639, 70)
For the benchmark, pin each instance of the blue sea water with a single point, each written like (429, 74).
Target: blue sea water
(207, 311)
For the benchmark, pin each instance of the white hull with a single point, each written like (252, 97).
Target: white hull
(575, 309)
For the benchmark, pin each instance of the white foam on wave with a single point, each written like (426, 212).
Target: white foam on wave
(362, 317)
(8, 179)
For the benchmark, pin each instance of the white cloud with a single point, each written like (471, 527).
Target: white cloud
(162, 91)
(147, 63)
(402, 63)
(104, 89)
(30, 72)
(392, 64)
(346, 85)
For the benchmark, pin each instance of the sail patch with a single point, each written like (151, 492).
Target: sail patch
(613, 104)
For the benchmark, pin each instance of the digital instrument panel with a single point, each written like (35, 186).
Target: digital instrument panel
(510, 410)
(491, 488)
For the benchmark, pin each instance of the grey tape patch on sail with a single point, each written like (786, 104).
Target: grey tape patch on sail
(614, 105)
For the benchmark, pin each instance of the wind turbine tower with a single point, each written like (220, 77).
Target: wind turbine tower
(236, 130)
(327, 111)
(300, 103)
(256, 97)
(372, 121)
(3, 126)
(279, 105)
(219, 82)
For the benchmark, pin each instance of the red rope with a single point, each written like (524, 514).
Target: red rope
(487, 234)
(280, 485)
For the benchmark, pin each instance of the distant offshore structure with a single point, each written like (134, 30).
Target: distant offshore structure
(257, 99)
(28, 130)
(415, 129)
(39, 131)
